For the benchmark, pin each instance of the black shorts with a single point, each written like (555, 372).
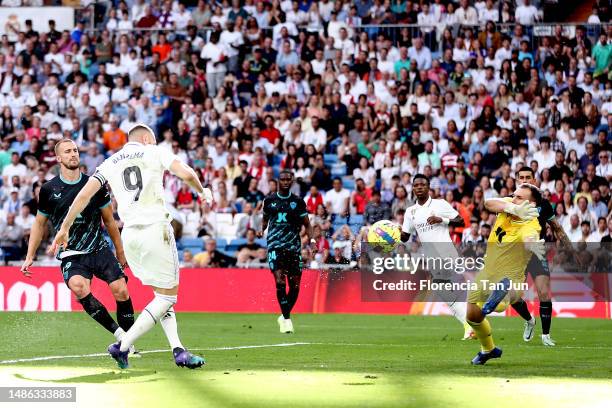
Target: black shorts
(285, 260)
(101, 264)
(536, 268)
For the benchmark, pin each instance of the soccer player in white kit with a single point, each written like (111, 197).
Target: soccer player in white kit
(430, 219)
(135, 175)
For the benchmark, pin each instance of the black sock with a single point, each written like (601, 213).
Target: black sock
(98, 312)
(522, 309)
(546, 316)
(283, 300)
(294, 291)
(125, 314)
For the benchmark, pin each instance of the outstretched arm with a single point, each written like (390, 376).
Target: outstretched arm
(189, 176)
(80, 202)
(525, 210)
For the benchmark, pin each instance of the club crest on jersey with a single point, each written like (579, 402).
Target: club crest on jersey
(293, 205)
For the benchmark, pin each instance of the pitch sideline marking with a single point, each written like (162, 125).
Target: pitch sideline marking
(25, 360)
(255, 346)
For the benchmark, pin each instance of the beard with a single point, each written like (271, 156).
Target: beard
(70, 166)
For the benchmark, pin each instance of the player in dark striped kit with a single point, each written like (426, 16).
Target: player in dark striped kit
(284, 214)
(87, 254)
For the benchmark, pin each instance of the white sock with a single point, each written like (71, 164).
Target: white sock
(168, 323)
(151, 314)
(459, 310)
(119, 333)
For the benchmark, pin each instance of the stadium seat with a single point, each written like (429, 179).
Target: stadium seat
(221, 243)
(338, 170)
(330, 159)
(337, 220)
(348, 182)
(356, 219)
(262, 242)
(235, 243)
(187, 242)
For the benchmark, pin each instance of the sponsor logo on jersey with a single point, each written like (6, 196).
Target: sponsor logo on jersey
(57, 195)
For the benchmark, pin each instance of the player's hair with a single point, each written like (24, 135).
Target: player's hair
(420, 176)
(285, 171)
(59, 142)
(137, 129)
(524, 168)
(536, 194)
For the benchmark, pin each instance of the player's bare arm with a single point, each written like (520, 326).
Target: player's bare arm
(455, 222)
(566, 244)
(79, 204)
(308, 227)
(36, 234)
(264, 225)
(525, 210)
(115, 235)
(189, 176)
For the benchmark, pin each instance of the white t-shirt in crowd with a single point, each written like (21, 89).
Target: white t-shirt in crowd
(337, 200)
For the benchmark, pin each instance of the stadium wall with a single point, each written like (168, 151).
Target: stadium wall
(242, 291)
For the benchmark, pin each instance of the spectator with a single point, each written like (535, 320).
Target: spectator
(253, 195)
(337, 199)
(211, 257)
(337, 256)
(250, 251)
(253, 220)
(14, 168)
(376, 209)
(11, 239)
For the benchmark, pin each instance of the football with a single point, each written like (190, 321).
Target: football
(384, 235)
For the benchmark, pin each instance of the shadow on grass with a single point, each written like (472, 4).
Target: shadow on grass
(99, 378)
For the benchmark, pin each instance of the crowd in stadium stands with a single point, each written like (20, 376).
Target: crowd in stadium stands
(243, 89)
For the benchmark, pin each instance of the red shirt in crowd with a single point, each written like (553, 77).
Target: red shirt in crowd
(313, 202)
(361, 199)
(272, 134)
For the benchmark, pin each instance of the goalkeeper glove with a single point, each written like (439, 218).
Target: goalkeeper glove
(207, 196)
(525, 210)
(538, 248)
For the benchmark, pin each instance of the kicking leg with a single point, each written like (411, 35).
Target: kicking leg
(164, 299)
(482, 327)
(79, 285)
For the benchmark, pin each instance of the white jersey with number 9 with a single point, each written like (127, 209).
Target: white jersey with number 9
(135, 175)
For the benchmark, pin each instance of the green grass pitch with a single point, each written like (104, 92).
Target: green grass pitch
(331, 361)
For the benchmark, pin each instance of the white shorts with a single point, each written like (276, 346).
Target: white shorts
(151, 253)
